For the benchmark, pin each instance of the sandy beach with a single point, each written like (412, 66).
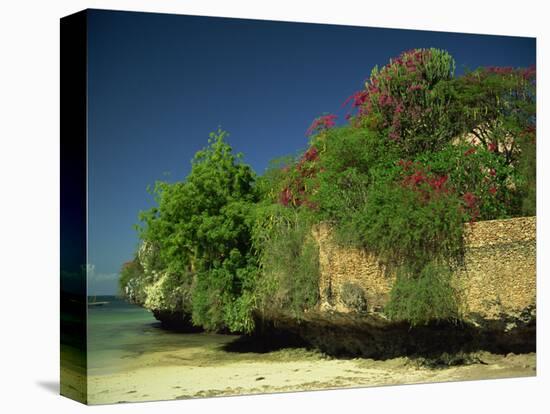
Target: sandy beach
(208, 370)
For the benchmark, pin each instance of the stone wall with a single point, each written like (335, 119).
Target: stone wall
(498, 278)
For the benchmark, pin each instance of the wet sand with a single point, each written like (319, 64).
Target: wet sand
(204, 368)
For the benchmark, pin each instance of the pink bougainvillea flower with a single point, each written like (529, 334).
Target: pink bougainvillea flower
(415, 87)
(438, 183)
(399, 108)
(357, 99)
(311, 154)
(322, 123)
(285, 196)
(469, 199)
(529, 73)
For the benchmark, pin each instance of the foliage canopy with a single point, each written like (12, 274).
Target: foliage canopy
(423, 153)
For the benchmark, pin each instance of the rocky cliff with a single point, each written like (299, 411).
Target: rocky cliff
(496, 288)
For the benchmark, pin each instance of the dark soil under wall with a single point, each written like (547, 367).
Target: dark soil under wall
(373, 337)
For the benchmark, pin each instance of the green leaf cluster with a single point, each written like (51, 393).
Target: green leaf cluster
(200, 235)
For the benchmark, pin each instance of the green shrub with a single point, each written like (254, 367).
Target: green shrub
(350, 161)
(221, 297)
(402, 227)
(289, 261)
(420, 298)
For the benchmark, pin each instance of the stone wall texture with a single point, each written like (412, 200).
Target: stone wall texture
(498, 277)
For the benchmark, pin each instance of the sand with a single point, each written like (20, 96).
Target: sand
(210, 371)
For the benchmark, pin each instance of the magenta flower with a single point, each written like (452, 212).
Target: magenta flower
(311, 154)
(321, 124)
(285, 196)
(470, 200)
(470, 151)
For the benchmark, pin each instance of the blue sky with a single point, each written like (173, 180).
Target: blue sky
(159, 84)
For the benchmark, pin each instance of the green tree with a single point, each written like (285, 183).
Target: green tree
(201, 231)
(498, 107)
(409, 101)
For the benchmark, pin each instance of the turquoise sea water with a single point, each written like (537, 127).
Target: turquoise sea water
(119, 333)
